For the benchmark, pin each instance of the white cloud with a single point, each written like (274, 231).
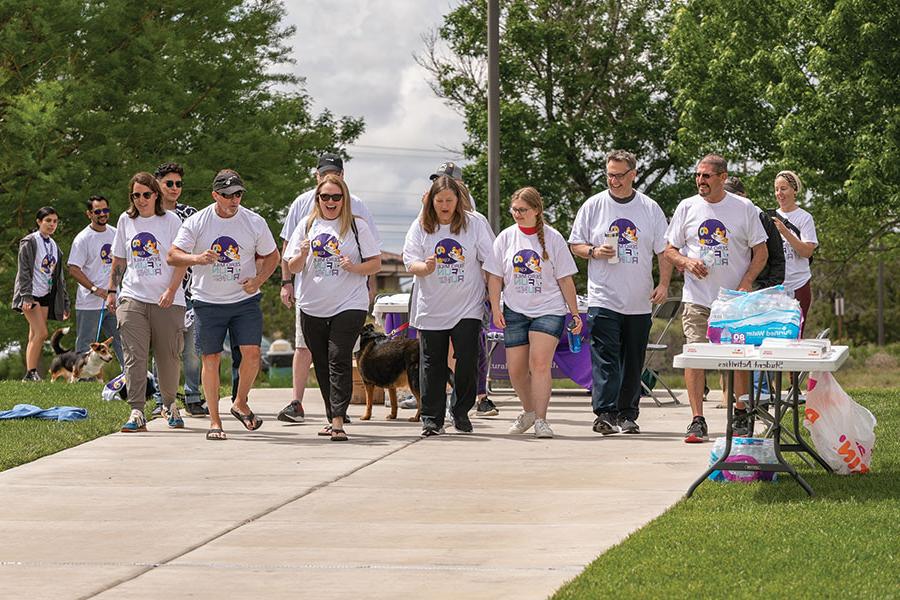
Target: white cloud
(357, 59)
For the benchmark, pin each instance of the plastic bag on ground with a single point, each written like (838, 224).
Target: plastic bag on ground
(754, 451)
(842, 431)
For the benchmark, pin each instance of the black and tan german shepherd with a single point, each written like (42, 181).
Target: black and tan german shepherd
(389, 364)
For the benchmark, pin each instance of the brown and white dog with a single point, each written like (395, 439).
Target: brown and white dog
(76, 366)
(389, 364)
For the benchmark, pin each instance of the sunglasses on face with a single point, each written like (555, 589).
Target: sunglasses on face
(172, 183)
(237, 194)
(100, 211)
(331, 197)
(705, 176)
(146, 195)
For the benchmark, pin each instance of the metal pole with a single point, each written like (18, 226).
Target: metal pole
(494, 115)
(880, 295)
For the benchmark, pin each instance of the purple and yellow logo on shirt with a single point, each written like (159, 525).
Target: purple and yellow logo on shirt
(713, 237)
(48, 263)
(451, 261)
(326, 255)
(527, 276)
(145, 259)
(106, 254)
(627, 242)
(227, 249)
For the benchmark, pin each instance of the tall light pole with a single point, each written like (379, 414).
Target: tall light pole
(493, 32)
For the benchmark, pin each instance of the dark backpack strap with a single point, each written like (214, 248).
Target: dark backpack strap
(356, 236)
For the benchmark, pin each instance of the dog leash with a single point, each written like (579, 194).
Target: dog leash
(396, 331)
(100, 324)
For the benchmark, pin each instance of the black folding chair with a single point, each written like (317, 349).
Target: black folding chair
(667, 311)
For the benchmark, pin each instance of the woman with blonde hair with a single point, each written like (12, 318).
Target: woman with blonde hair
(334, 252)
(798, 232)
(446, 248)
(534, 268)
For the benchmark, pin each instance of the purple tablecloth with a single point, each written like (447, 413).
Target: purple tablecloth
(576, 367)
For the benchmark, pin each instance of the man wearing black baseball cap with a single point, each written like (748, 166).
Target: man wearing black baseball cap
(328, 164)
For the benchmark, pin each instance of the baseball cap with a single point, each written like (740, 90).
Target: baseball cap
(227, 182)
(330, 162)
(450, 169)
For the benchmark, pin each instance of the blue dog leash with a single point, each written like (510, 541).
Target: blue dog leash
(100, 324)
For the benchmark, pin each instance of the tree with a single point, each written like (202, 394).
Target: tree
(808, 85)
(92, 92)
(578, 78)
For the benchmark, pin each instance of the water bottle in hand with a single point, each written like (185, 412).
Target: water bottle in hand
(574, 340)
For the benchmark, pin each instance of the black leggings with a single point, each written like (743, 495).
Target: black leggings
(331, 340)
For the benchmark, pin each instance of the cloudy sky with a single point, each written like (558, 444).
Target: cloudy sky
(360, 62)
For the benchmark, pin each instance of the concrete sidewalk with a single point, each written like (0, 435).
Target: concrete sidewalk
(282, 513)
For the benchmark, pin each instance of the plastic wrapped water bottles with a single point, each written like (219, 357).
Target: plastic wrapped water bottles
(750, 317)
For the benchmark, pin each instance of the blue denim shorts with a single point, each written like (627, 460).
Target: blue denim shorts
(518, 326)
(242, 320)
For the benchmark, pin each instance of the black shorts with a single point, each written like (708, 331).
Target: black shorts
(43, 300)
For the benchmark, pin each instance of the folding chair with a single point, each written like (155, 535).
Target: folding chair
(667, 311)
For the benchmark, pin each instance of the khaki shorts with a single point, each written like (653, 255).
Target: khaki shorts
(695, 321)
(299, 342)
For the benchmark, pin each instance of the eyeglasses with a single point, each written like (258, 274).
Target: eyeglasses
(705, 176)
(238, 194)
(173, 183)
(518, 211)
(146, 195)
(331, 197)
(618, 176)
(100, 211)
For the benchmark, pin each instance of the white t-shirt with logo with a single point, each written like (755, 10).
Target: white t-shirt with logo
(301, 207)
(144, 242)
(326, 288)
(624, 287)
(45, 260)
(796, 268)
(456, 288)
(237, 240)
(531, 282)
(92, 253)
(721, 234)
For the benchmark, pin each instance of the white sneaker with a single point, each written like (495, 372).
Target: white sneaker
(408, 403)
(522, 423)
(542, 429)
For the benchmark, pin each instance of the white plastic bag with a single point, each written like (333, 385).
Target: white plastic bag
(842, 431)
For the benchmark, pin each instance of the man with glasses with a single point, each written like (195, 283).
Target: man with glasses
(170, 177)
(717, 239)
(300, 207)
(90, 262)
(225, 287)
(618, 231)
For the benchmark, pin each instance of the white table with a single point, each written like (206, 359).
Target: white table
(830, 362)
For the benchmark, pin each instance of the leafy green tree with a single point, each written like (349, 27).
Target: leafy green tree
(578, 78)
(92, 92)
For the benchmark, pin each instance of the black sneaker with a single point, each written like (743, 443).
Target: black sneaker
(463, 425)
(604, 425)
(159, 411)
(32, 375)
(740, 424)
(197, 409)
(486, 408)
(697, 431)
(431, 432)
(293, 413)
(628, 426)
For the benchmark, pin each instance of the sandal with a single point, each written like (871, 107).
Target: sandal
(215, 434)
(250, 421)
(338, 435)
(325, 431)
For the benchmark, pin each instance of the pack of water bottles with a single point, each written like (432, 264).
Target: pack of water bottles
(750, 317)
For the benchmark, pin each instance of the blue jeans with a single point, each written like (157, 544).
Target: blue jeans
(618, 346)
(86, 322)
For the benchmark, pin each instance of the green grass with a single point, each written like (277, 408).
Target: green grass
(24, 440)
(769, 540)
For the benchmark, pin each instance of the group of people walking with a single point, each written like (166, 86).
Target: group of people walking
(175, 281)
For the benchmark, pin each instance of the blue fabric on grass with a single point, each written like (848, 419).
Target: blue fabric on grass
(56, 413)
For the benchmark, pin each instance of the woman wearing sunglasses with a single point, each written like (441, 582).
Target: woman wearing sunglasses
(148, 299)
(534, 268)
(334, 252)
(40, 288)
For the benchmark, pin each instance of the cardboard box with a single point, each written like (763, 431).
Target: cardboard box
(723, 350)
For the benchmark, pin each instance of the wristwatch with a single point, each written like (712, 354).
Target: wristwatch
(287, 282)
(93, 289)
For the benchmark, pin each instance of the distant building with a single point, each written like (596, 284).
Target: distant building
(393, 276)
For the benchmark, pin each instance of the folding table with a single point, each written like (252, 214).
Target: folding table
(830, 362)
